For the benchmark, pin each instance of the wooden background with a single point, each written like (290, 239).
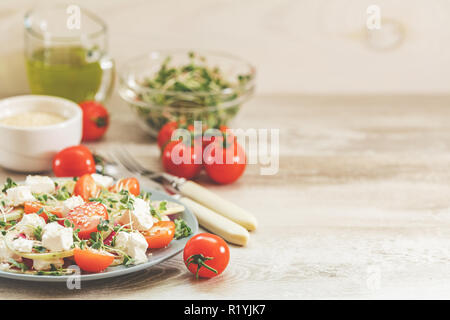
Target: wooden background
(360, 205)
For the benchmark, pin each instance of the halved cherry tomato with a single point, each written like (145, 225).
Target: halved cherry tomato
(34, 207)
(206, 255)
(160, 235)
(130, 184)
(92, 261)
(165, 133)
(86, 187)
(73, 162)
(87, 217)
(186, 169)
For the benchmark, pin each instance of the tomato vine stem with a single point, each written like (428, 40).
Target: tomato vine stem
(199, 260)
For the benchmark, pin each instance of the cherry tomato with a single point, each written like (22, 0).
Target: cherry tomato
(206, 255)
(87, 217)
(130, 184)
(86, 187)
(92, 261)
(34, 207)
(95, 120)
(165, 134)
(228, 137)
(175, 149)
(73, 162)
(233, 162)
(160, 235)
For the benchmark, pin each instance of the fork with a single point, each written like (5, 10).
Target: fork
(213, 212)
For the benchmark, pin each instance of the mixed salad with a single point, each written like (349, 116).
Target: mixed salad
(94, 222)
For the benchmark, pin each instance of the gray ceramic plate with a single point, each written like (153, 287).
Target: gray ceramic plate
(156, 256)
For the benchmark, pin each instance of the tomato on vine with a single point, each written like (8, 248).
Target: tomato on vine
(206, 255)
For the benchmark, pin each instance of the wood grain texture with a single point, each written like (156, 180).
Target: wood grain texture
(362, 194)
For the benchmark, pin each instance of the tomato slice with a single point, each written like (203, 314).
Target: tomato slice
(87, 217)
(86, 187)
(34, 207)
(92, 261)
(160, 235)
(130, 184)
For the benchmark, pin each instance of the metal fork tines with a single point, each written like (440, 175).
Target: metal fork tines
(122, 157)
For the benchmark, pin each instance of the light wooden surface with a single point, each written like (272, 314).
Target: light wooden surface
(359, 208)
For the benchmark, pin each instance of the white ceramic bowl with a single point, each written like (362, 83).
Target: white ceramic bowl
(32, 149)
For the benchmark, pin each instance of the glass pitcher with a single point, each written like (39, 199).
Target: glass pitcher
(66, 53)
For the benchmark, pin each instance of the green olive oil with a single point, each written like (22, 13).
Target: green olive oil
(68, 72)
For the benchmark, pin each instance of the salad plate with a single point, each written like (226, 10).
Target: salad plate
(155, 257)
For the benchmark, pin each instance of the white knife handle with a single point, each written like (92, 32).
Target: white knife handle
(218, 204)
(218, 224)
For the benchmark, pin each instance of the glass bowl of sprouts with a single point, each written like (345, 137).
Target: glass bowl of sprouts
(186, 86)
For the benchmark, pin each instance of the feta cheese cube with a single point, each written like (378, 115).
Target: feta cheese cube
(4, 266)
(29, 223)
(140, 218)
(104, 181)
(57, 238)
(5, 253)
(71, 203)
(19, 195)
(22, 245)
(40, 184)
(134, 244)
(42, 265)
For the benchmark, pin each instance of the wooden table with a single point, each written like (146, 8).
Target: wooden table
(358, 208)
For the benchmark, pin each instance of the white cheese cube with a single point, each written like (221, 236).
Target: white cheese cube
(19, 195)
(103, 181)
(5, 253)
(121, 240)
(40, 184)
(29, 223)
(43, 265)
(71, 203)
(134, 244)
(57, 238)
(140, 218)
(22, 245)
(4, 266)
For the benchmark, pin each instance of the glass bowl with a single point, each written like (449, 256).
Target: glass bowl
(156, 107)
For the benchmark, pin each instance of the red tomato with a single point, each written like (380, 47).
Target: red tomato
(206, 255)
(92, 261)
(87, 217)
(160, 235)
(73, 162)
(229, 170)
(130, 184)
(95, 120)
(86, 187)
(175, 149)
(34, 207)
(229, 137)
(165, 134)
